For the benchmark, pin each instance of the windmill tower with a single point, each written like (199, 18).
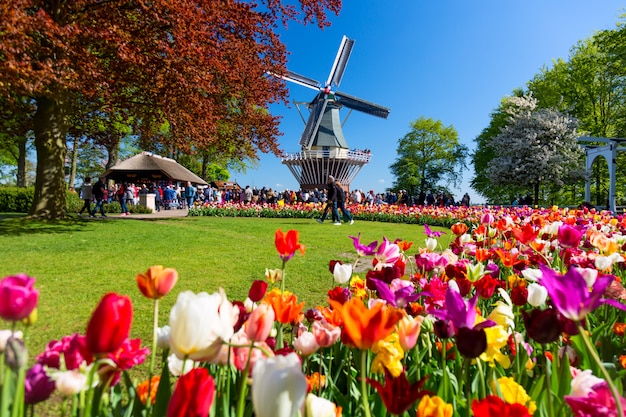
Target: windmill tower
(324, 148)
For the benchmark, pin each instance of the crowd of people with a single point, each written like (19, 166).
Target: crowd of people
(181, 196)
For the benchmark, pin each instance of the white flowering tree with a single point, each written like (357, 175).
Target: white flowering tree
(537, 149)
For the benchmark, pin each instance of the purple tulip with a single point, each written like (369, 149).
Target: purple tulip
(570, 293)
(18, 298)
(38, 386)
(364, 250)
(460, 313)
(399, 298)
(431, 233)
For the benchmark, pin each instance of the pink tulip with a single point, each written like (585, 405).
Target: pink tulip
(408, 331)
(569, 236)
(260, 323)
(18, 298)
(325, 333)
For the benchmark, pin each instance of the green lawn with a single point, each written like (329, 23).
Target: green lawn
(76, 261)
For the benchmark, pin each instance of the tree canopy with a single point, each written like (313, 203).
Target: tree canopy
(537, 148)
(194, 64)
(428, 156)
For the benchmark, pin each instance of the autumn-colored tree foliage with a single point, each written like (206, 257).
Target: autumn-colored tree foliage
(197, 64)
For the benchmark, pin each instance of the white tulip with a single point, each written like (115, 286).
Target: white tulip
(431, 244)
(278, 387)
(71, 382)
(200, 323)
(342, 273)
(178, 366)
(315, 406)
(531, 275)
(589, 275)
(163, 337)
(537, 294)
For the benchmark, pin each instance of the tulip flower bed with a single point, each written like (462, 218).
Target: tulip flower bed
(522, 314)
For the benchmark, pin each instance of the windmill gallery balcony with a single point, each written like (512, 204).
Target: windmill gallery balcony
(312, 167)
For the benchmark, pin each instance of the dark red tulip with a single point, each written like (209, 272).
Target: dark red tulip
(110, 324)
(543, 326)
(257, 290)
(193, 395)
(471, 342)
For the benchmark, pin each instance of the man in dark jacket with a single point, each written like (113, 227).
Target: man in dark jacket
(341, 204)
(98, 192)
(331, 202)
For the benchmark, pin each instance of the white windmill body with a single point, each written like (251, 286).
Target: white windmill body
(324, 149)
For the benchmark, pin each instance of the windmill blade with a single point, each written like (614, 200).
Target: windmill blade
(313, 124)
(361, 105)
(341, 60)
(300, 79)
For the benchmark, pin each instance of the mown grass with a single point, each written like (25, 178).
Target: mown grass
(77, 261)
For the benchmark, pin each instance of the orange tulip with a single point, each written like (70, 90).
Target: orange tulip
(287, 244)
(459, 228)
(285, 306)
(362, 326)
(142, 389)
(157, 281)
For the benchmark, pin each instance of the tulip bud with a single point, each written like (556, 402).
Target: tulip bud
(18, 298)
(193, 394)
(157, 281)
(109, 324)
(15, 354)
(257, 290)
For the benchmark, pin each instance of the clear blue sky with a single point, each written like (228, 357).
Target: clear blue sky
(447, 60)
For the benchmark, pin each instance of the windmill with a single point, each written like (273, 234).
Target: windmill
(324, 148)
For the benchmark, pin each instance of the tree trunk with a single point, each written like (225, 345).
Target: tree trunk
(21, 163)
(74, 160)
(50, 129)
(536, 202)
(205, 162)
(113, 151)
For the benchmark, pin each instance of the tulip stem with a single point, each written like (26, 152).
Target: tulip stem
(155, 326)
(364, 397)
(548, 380)
(242, 389)
(594, 354)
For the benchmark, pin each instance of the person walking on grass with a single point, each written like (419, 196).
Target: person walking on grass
(98, 192)
(87, 195)
(331, 202)
(341, 204)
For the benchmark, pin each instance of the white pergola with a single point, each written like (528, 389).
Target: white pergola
(609, 152)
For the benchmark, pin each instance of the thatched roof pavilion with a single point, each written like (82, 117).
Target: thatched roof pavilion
(148, 167)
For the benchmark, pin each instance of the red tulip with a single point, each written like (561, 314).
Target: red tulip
(18, 298)
(157, 281)
(193, 394)
(110, 324)
(257, 290)
(287, 244)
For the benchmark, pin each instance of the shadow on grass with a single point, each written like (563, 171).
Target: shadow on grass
(16, 224)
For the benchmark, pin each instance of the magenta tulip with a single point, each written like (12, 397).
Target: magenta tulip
(110, 324)
(18, 298)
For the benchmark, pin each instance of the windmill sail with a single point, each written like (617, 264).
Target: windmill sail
(313, 123)
(361, 105)
(341, 60)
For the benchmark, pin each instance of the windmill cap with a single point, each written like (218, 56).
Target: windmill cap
(330, 177)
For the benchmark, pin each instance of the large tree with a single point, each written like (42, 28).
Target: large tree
(190, 63)
(537, 148)
(428, 156)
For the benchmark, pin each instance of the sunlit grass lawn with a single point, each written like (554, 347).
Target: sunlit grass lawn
(77, 261)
